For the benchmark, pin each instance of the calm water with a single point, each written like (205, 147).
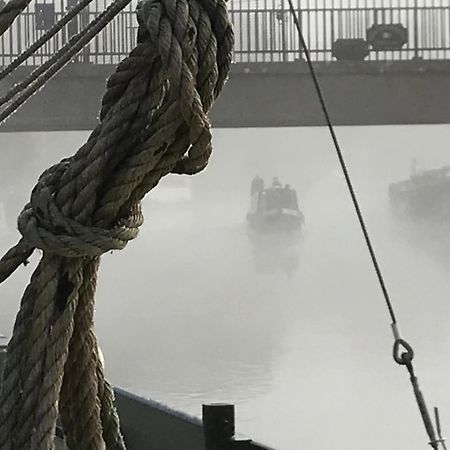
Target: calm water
(296, 335)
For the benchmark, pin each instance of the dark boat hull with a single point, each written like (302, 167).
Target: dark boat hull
(276, 220)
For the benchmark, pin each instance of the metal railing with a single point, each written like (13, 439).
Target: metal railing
(264, 29)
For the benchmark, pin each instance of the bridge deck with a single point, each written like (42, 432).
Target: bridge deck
(264, 95)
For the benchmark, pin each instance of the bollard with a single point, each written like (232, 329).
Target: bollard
(218, 428)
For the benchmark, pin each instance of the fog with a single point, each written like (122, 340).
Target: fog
(295, 333)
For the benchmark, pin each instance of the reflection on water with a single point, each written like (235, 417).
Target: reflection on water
(275, 252)
(197, 310)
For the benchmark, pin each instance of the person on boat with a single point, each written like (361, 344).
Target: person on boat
(275, 196)
(276, 183)
(257, 185)
(290, 197)
(287, 196)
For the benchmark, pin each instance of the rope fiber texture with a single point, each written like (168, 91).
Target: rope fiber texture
(9, 13)
(153, 122)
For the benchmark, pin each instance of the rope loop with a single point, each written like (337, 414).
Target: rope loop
(43, 225)
(405, 358)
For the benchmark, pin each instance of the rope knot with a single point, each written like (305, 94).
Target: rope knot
(43, 225)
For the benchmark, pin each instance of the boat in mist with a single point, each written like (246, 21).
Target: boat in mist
(274, 209)
(425, 195)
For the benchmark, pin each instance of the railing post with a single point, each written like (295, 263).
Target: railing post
(75, 25)
(72, 27)
(218, 428)
(84, 21)
(416, 29)
(283, 32)
(300, 20)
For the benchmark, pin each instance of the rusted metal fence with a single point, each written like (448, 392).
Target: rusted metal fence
(264, 29)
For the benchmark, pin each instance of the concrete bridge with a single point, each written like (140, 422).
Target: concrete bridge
(264, 95)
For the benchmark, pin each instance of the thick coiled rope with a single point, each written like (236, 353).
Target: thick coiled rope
(153, 122)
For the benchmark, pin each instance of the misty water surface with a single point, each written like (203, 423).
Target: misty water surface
(297, 335)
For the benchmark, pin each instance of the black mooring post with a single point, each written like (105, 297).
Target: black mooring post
(218, 426)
